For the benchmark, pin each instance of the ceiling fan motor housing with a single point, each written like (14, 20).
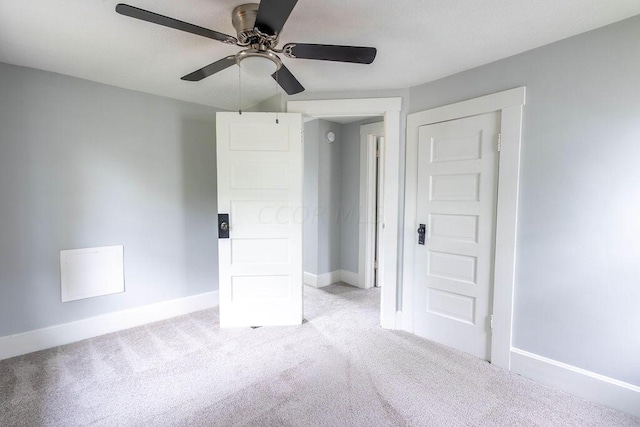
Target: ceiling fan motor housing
(243, 18)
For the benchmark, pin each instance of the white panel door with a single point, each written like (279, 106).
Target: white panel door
(260, 187)
(456, 201)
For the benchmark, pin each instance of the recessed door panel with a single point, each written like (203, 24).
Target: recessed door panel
(454, 187)
(452, 266)
(464, 147)
(453, 226)
(259, 137)
(260, 212)
(264, 289)
(454, 306)
(260, 251)
(259, 175)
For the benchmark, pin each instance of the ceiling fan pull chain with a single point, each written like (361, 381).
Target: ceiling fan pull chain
(276, 86)
(239, 90)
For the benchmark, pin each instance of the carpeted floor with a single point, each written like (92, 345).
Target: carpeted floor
(337, 369)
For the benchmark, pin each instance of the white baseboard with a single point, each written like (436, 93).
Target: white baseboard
(310, 279)
(53, 336)
(349, 278)
(321, 280)
(579, 382)
(326, 279)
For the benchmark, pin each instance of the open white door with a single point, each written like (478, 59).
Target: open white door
(260, 188)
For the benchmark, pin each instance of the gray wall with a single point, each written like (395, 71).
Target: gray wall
(83, 165)
(323, 191)
(578, 268)
(329, 197)
(350, 230)
(332, 196)
(350, 197)
(275, 104)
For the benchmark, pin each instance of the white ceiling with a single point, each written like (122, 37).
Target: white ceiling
(417, 40)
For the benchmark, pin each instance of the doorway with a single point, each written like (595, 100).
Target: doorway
(389, 109)
(342, 203)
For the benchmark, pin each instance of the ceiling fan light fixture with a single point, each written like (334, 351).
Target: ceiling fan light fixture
(258, 63)
(258, 27)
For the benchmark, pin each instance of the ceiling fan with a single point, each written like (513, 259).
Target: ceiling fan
(258, 28)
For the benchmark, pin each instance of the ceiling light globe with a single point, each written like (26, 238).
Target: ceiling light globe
(258, 66)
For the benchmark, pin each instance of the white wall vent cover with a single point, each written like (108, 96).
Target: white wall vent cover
(91, 272)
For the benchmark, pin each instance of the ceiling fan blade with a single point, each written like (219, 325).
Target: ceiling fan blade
(210, 69)
(272, 14)
(287, 81)
(327, 52)
(145, 15)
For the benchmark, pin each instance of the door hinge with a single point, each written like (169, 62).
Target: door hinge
(491, 321)
(375, 264)
(499, 142)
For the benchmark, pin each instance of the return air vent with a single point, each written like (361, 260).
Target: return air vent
(91, 272)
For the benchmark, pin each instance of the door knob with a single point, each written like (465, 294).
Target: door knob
(223, 226)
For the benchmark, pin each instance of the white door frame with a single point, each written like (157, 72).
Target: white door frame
(510, 104)
(369, 134)
(390, 109)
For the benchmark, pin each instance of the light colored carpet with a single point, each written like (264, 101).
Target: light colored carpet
(337, 369)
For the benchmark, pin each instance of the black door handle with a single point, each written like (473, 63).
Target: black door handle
(422, 231)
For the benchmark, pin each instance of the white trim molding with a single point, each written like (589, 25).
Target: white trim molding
(390, 109)
(326, 279)
(579, 382)
(321, 280)
(310, 279)
(369, 135)
(350, 278)
(510, 104)
(66, 333)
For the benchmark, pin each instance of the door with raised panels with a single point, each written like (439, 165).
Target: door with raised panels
(456, 209)
(260, 218)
